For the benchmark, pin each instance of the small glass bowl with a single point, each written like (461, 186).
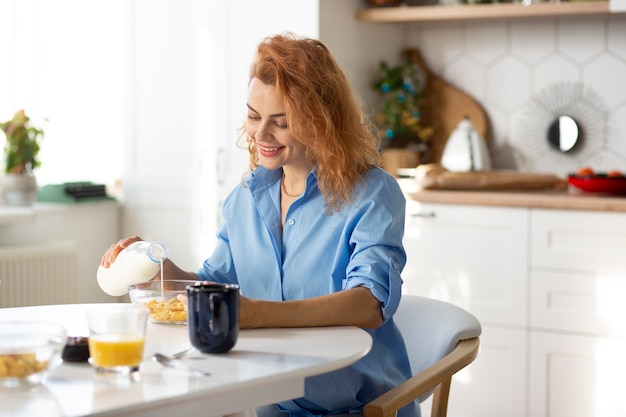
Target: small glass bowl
(28, 351)
(164, 307)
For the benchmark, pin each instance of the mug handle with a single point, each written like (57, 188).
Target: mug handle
(215, 305)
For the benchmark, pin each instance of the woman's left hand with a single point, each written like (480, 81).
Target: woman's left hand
(183, 297)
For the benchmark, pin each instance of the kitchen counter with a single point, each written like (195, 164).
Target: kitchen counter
(569, 199)
(545, 273)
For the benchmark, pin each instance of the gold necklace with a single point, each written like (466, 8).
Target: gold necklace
(282, 186)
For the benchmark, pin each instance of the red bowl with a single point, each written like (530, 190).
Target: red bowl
(599, 183)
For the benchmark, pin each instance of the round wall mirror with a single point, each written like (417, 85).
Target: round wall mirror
(560, 129)
(563, 134)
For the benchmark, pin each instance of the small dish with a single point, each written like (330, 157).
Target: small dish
(28, 350)
(160, 298)
(598, 183)
(76, 349)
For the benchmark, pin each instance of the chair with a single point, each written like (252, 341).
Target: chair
(441, 339)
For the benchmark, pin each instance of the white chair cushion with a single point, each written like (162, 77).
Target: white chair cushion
(432, 328)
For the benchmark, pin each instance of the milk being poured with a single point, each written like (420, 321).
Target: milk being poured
(138, 262)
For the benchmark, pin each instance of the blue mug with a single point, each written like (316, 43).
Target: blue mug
(213, 316)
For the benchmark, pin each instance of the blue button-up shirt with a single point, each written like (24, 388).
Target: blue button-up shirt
(318, 253)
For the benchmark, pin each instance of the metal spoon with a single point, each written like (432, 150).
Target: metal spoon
(172, 362)
(182, 354)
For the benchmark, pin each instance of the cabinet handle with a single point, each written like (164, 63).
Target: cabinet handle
(422, 214)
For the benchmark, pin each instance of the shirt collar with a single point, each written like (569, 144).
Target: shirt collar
(262, 178)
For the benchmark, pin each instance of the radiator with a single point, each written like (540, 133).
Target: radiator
(38, 274)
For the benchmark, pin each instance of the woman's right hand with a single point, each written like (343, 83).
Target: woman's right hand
(111, 254)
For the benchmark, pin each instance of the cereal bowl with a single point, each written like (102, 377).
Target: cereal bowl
(161, 300)
(28, 351)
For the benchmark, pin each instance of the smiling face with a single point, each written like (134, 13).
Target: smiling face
(266, 125)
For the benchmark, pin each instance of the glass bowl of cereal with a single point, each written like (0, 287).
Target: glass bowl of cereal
(160, 298)
(28, 351)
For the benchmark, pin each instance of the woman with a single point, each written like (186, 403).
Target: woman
(313, 235)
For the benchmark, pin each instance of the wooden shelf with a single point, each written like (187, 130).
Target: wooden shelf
(402, 14)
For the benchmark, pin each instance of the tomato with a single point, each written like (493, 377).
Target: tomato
(614, 173)
(585, 171)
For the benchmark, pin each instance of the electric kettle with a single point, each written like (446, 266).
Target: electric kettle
(466, 150)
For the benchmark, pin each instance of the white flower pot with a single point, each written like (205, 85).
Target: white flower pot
(19, 189)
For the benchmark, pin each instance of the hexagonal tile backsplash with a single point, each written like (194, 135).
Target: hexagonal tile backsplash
(511, 66)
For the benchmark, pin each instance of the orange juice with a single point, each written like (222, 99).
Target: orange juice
(107, 350)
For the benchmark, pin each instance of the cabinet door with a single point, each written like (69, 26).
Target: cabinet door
(576, 376)
(578, 240)
(473, 256)
(581, 302)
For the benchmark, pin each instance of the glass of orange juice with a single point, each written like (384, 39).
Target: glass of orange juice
(117, 335)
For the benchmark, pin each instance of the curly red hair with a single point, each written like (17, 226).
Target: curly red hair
(322, 111)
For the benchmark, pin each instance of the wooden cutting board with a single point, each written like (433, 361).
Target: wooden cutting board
(445, 106)
(435, 177)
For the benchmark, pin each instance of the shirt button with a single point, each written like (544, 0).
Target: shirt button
(292, 222)
(395, 266)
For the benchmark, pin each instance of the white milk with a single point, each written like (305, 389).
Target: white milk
(138, 262)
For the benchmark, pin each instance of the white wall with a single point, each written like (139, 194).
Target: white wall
(62, 60)
(187, 73)
(358, 47)
(505, 65)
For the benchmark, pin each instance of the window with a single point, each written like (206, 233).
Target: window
(63, 61)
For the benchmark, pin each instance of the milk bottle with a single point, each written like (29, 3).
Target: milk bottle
(138, 262)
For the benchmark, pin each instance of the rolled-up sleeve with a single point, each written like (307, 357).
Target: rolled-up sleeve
(378, 255)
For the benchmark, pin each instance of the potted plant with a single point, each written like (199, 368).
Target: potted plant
(405, 137)
(21, 158)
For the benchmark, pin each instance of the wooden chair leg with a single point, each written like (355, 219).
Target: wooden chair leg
(440, 399)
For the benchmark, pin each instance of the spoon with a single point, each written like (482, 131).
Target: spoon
(172, 362)
(182, 354)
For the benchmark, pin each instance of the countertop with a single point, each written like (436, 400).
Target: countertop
(569, 199)
(13, 215)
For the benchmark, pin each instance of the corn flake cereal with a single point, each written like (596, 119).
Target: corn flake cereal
(20, 365)
(167, 311)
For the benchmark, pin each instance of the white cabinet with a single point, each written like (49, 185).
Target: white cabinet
(577, 345)
(578, 302)
(473, 256)
(576, 375)
(477, 257)
(578, 240)
(547, 286)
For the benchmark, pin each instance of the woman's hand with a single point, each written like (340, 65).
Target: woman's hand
(111, 254)
(183, 297)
